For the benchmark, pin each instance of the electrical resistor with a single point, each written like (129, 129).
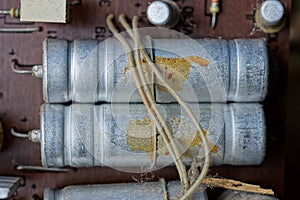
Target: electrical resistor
(13, 12)
(214, 10)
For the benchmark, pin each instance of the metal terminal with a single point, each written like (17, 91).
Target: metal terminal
(9, 186)
(40, 168)
(37, 71)
(34, 135)
(75, 2)
(270, 16)
(4, 12)
(19, 134)
(213, 21)
(14, 64)
(163, 13)
(21, 30)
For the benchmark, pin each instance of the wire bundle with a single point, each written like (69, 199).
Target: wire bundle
(148, 99)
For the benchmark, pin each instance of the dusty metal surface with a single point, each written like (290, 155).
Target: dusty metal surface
(21, 95)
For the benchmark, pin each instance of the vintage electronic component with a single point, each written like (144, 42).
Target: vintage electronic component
(214, 9)
(55, 11)
(147, 191)
(270, 16)
(164, 13)
(119, 135)
(13, 12)
(9, 186)
(86, 71)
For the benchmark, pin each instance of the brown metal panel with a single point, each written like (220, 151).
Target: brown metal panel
(21, 95)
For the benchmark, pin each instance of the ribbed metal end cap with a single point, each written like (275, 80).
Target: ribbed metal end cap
(56, 71)
(245, 134)
(249, 70)
(52, 135)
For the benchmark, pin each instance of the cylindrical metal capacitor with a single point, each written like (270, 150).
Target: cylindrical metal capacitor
(124, 136)
(125, 191)
(164, 13)
(88, 71)
(240, 195)
(270, 16)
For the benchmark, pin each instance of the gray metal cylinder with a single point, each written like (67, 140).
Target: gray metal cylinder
(123, 136)
(88, 71)
(125, 191)
(239, 195)
(164, 13)
(270, 16)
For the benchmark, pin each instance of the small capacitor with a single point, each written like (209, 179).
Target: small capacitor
(270, 16)
(164, 13)
(133, 191)
(88, 71)
(124, 136)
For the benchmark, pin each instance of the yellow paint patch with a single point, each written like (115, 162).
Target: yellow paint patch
(175, 70)
(140, 138)
(139, 135)
(188, 141)
(126, 70)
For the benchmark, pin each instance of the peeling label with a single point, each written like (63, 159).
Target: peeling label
(140, 138)
(175, 70)
(139, 134)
